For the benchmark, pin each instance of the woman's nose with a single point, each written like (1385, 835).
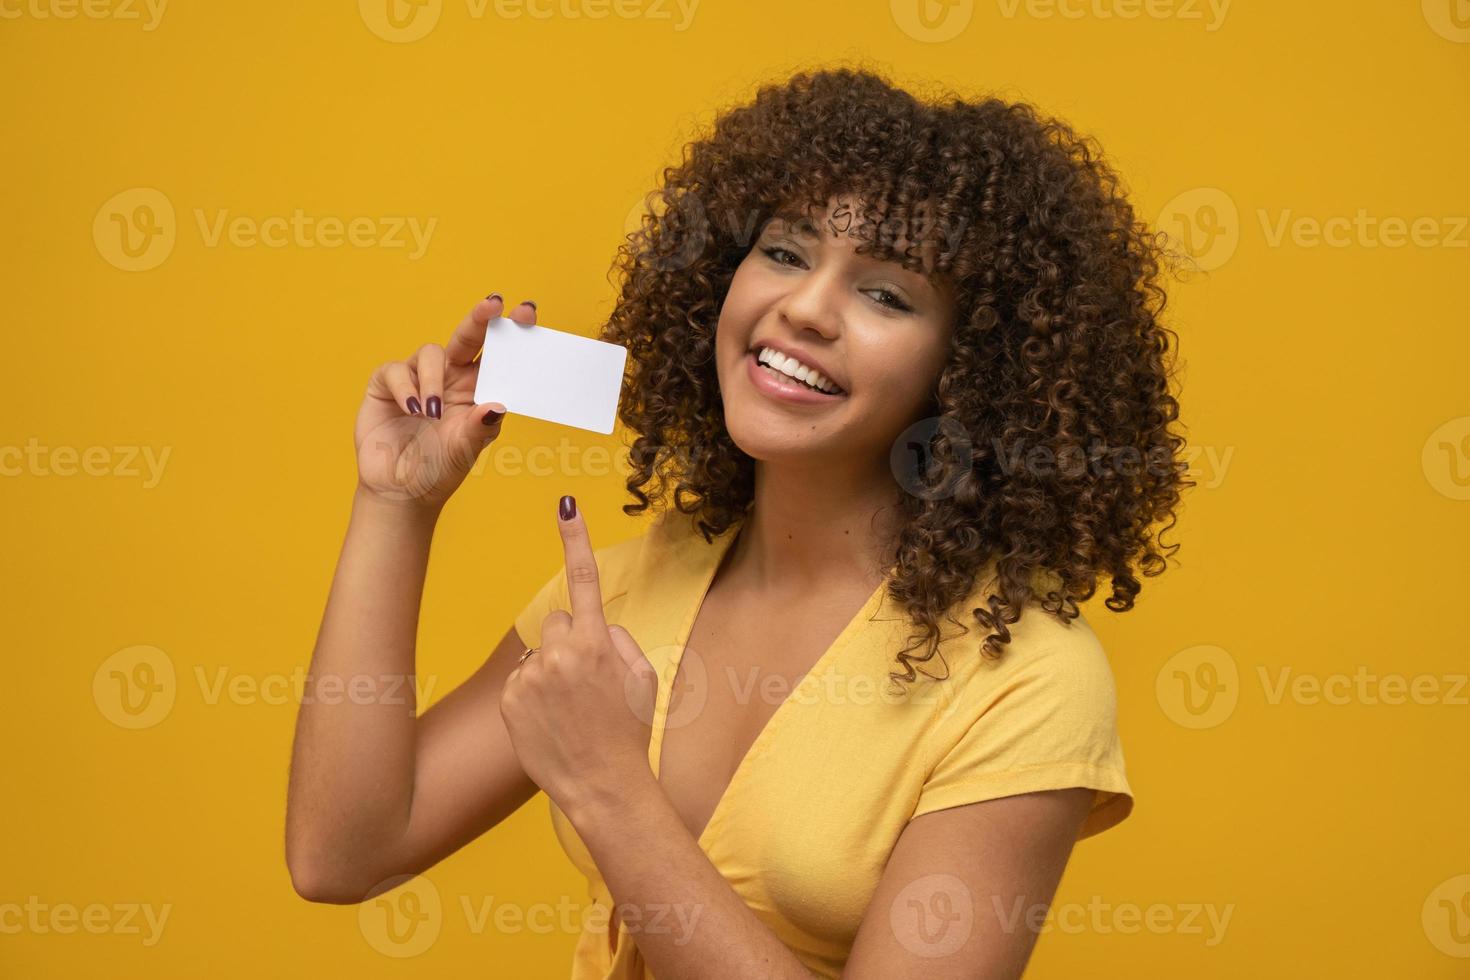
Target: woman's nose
(815, 303)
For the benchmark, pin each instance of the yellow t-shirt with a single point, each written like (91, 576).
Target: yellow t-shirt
(814, 809)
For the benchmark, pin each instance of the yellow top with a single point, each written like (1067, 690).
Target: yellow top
(813, 810)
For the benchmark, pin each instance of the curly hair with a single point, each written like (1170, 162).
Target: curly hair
(1058, 371)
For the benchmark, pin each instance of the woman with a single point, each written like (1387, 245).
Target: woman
(760, 742)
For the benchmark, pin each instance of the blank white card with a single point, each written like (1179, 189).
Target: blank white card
(551, 375)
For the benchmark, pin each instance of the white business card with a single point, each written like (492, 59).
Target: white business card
(552, 375)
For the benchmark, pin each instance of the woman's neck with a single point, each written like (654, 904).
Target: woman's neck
(810, 526)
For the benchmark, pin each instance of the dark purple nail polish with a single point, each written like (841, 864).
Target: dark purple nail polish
(496, 296)
(436, 407)
(568, 507)
(492, 416)
(531, 303)
(413, 405)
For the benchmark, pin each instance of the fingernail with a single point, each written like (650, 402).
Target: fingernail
(568, 507)
(492, 416)
(531, 303)
(436, 406)
(496, 296)
(413, 405)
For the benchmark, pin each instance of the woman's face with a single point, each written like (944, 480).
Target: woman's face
(880, 332)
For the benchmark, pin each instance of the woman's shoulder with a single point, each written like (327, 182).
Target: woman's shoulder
(1044, 649)
(1042, 716)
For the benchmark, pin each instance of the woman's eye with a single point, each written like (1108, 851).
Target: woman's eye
(774, 251)
(892, 300)
(887, 298)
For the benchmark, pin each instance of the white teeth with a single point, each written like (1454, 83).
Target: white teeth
(791, 367)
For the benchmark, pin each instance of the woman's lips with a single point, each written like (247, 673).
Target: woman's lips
(783, 388)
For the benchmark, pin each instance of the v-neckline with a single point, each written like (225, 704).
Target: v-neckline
(711, 557)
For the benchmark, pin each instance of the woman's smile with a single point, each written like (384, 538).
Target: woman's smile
(782, 387)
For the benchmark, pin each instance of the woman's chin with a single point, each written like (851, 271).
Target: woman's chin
(768, 437)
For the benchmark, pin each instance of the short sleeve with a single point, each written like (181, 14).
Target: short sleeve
(551, 595)
(1047, 722)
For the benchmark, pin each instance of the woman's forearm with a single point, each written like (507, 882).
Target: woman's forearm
(352, 768)
(685, 918)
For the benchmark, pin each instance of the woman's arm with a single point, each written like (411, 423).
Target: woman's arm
(965, 890)
(373, 791)
(351, 785)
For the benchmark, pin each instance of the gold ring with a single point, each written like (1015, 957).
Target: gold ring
(529, 651)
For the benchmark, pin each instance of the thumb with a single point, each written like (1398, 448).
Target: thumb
(630, 651)
(478, 428)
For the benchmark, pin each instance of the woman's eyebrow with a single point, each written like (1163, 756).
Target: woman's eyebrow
(788, 226)
(896, 263)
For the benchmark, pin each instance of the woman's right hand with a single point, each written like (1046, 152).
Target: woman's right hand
(419, 431)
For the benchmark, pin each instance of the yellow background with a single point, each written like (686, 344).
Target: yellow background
(1327, 538)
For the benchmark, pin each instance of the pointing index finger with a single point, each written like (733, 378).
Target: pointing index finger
(583, 583)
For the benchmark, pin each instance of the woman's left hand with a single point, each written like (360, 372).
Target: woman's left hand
(579, 709)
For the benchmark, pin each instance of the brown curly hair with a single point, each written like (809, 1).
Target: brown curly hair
(1057, 349)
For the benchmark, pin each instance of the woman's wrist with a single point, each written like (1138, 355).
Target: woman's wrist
(407, 514)
(610, 800)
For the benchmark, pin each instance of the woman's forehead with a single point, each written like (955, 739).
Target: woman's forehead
(841, 219)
